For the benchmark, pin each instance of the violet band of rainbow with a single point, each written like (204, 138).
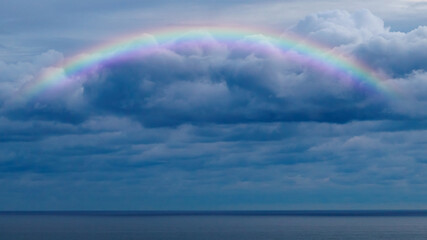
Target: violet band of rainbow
(139, 43)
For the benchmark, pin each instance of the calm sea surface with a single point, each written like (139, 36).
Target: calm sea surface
(213, 225)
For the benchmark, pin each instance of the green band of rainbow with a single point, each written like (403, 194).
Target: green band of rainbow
(132, 44)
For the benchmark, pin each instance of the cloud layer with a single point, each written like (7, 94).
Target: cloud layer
(239, 122)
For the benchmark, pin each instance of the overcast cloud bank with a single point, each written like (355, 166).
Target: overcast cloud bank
(235, 121)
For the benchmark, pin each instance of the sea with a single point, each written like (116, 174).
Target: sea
(213, 225)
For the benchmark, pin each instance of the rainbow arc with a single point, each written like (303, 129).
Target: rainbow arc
(320, 56)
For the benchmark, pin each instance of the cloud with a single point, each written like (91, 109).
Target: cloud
(14, 75)
(212, 82)
(364, 35)
(202, 120)
(189, 84)
(396, 53)
(338, 27)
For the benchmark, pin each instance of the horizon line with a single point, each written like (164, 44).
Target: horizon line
(147, 213)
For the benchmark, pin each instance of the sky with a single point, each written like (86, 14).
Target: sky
(200, 122)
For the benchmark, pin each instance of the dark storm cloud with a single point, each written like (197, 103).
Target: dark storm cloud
(161, 91)
(209, 82)
(213, 83)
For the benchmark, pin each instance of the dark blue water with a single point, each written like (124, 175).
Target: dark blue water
(214, 225)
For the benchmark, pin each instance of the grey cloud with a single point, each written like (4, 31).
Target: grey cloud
(397, 54)
(364, 35)
(172, 89)
(212, 82)
(15, 75)
(339, 27)
(345, 157)
(213, 121)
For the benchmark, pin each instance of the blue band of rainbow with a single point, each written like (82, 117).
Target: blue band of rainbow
(144, 43)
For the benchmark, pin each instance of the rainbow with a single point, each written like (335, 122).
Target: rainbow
(137, 44)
